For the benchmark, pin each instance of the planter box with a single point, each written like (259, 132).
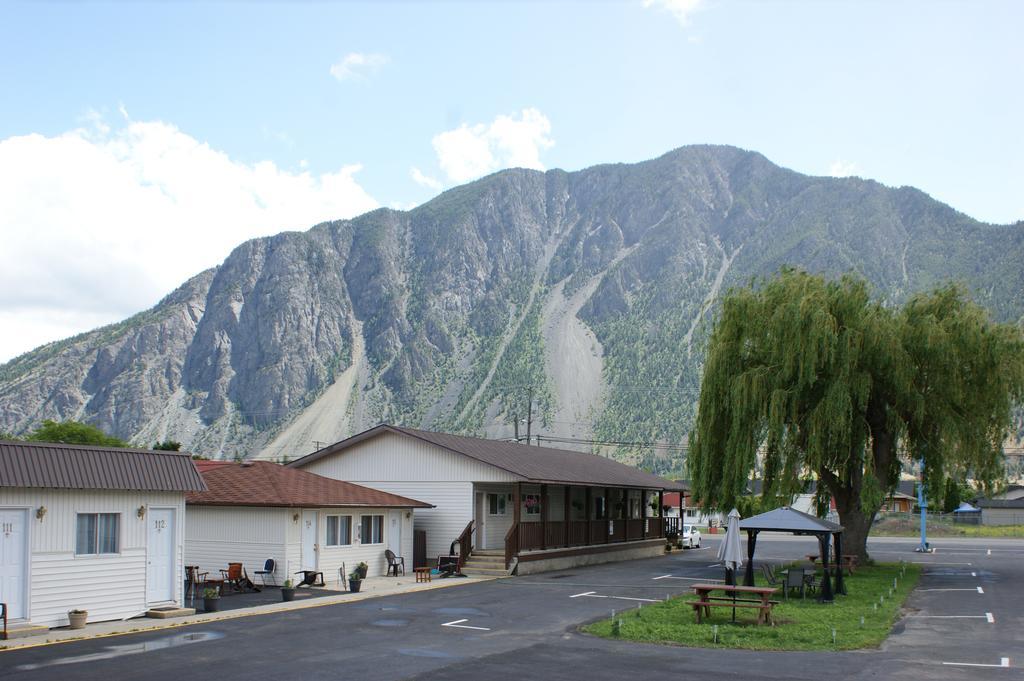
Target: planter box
(354, 585)
(76, 620)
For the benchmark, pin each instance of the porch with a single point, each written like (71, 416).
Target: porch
(535, 522)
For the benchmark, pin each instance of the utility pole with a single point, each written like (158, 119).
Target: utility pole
(529, 413)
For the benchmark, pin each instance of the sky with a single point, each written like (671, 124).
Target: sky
(140, 143)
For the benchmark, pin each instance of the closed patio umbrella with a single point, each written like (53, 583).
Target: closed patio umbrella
(730, 552)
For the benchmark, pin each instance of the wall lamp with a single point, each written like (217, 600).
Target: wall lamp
(40, 512)
(141, 512)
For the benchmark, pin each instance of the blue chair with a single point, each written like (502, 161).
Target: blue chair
(268, 569)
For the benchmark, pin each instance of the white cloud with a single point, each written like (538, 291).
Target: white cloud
(97, 224)
(467, 152)
(841, 168)
(424, 180)
(682, 10)
(358, 65)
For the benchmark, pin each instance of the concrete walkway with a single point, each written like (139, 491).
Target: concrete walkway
(373, 587)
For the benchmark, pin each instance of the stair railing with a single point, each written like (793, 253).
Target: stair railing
(511, 544)
(465, 542)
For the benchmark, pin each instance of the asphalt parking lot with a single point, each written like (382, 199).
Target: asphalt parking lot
(963, 622)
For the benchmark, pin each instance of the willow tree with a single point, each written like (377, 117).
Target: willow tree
(814, 378)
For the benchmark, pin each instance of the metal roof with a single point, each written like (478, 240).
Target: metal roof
(63, 466)
(263, 483)
(786, 519)
(528, 463)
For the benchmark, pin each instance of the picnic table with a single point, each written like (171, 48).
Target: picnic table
(760, 599)
(849, 561)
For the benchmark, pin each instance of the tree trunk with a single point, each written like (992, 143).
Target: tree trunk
(856, 522)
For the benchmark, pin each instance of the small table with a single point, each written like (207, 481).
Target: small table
(422, 574)
(763, 602)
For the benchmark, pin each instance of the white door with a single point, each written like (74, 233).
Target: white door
(160, 556)
(394, 532)
(479, 528)
(309, 540)
(13, 561)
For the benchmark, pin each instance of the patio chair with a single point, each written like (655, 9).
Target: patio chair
(795, 580)
(769, 574)
(238, 579)
(394, 562)
(268, 569)
(194, 578)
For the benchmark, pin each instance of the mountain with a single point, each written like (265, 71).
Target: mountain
(593, 290)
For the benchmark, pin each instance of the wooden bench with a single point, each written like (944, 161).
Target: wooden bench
(849, 561)
(764, 615)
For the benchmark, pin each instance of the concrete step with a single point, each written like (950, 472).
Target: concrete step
(488, 552)
(484, 572)
(24, 629)
(492, 560)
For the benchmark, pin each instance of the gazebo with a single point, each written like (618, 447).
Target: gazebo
(786, 519)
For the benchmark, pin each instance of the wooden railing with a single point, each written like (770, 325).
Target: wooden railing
(673, 525)
(634, 529)
(618, 532)
(531, 536)
(656, 527)
(555, 534)
(579, 532)
(465, 542)
(598, 531)
(511, 545)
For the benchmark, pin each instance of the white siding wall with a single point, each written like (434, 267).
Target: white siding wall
(421, 471)
(218, 535)
(397, 458)
(496, 526)
(330, 558)
(109, 587)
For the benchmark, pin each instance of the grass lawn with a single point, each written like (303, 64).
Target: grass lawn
(911, 527)
(799, 624)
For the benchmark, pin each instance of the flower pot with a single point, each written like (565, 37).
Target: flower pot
(211, 604)
(354, 584)
(77, 619)
(287, 594)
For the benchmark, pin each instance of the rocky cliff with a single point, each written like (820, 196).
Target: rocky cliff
(591, 290)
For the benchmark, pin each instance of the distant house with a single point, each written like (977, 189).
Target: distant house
(257, 510)
(506, 503)
(1006, 508)
(91, 528)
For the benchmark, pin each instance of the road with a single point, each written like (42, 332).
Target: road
(526, 628)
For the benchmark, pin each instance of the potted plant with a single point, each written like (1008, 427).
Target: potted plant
(287, 590)
(668, 548)
(211, 599)
(361, 569)
(77, 618)
(355, 581)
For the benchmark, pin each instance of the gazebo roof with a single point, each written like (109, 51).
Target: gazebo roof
(786, 519)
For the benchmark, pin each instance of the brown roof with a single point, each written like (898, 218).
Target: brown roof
(64, 466)
(262, 483)
(529, 463)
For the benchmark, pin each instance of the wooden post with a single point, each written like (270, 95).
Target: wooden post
(607, 515)
(543, 517)
(643, 512)
(517, 502)
(566, 501)
(588, 513)
(661, 512)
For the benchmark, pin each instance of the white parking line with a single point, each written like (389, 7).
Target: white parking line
(1003, 662)
(929, 562)
(459, 624)
(594, 594)
(977, 587)
(987, 616)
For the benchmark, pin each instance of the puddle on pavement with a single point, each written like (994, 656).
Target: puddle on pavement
(112, 652)
(390, 623)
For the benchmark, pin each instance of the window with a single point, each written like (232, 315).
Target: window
(339, 530)
(372, 529)
(496, 504)
(97, 533)
(532, 504)
(599, 508)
